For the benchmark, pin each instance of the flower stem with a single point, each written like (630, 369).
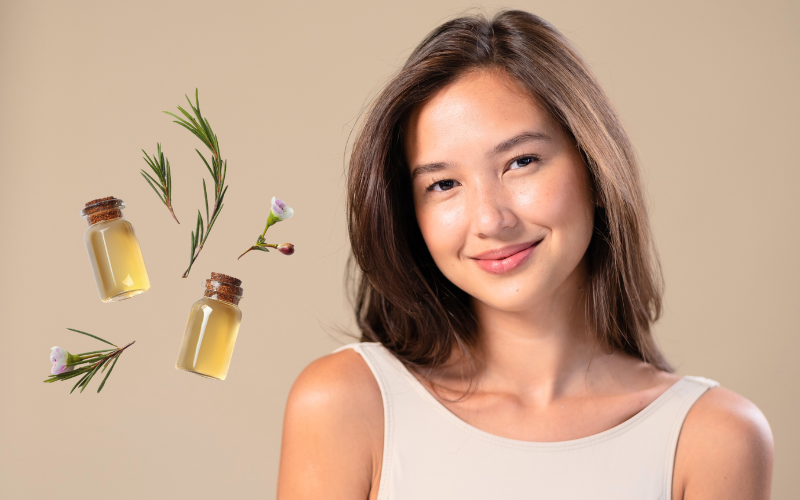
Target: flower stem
(251, 248)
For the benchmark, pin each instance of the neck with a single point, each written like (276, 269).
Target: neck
(544, 351)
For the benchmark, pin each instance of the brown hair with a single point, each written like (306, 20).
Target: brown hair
(401, 298)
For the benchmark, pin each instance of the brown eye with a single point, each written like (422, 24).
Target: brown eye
(523, 161)
(444, 185)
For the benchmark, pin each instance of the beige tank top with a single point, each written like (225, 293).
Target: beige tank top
(429, 453)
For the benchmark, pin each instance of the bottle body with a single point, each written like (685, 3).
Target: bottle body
(116, 259)
(209, 338)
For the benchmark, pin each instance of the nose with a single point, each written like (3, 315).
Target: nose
(491, 211)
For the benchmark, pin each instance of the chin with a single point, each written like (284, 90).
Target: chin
(509, 297)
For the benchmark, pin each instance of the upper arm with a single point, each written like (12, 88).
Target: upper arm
(332, 431)
(724, 451)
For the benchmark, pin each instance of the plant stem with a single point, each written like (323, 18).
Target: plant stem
(116, 352)
(169, 206)
(200, 246)
(257, 246)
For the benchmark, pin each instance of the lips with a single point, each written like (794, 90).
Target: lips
(503, 260)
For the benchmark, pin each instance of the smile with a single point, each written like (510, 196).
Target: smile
(505, 259)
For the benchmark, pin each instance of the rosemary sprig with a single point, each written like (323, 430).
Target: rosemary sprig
(94, 361)
(160, 166)
(218, 169)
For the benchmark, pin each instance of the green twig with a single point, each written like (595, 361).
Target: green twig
(199, 126)
(98, 361)
(159, 164)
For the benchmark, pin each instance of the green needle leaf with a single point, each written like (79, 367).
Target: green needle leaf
(200, 226)
(224, 172)
(215, 218)
(79, 383)
(155, 182)
(154, 188)
(109, 373)
(93, 352)
(207, 165)
(192, 122)
(91, 374)
(192, 130)
(67, 375)
(169, 180)
(93, 336)
(90, 360)
(197, 226)
(205, 197)
(223, 194)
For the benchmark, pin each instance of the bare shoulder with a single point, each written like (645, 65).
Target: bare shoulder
(332, 430)
(338, 382)
(724, 451)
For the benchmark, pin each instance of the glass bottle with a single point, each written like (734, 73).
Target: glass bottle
(114, 251)
(212, 327)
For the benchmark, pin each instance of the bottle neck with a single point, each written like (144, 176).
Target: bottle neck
(231, 302)
(222, 297)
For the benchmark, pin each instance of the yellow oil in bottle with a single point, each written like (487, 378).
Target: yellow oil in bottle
(211, 330)
(114, 252)
(116, 260)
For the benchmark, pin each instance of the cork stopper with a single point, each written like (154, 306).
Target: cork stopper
(223, 287)
(103, 209)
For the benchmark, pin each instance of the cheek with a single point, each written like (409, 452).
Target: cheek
(442, 226)
(559, 201)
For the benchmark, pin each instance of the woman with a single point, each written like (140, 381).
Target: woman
(507, 289)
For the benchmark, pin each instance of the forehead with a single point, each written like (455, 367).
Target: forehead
(481, 108)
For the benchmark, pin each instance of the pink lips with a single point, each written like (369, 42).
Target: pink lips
(505, 259)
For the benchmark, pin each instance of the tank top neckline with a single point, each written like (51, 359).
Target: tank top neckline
(531, 445)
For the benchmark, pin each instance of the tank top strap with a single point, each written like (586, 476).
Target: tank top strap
(383, 366)
(688, 390)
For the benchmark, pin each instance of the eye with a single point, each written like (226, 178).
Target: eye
(443, 185)
(523, 161)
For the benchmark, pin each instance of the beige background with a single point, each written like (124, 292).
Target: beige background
(708, 91)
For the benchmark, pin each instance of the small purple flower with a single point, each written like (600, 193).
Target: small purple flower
(286, 248)
(280, 210)
(60, 357)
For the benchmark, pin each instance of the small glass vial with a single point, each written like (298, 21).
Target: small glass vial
(212, 327)
(114, 251)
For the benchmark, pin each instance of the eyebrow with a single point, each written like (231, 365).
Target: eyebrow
(500, 148)
(519, 139)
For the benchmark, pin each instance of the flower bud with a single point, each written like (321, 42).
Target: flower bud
(286, 248)
(60, 357)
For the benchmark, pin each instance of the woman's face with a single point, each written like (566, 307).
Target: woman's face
(501, 193)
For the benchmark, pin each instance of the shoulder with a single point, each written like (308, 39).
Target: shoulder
(724, 450)
(332, 431)
(338, 382)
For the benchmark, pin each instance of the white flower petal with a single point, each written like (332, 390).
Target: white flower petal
(58, 354)
(61, 368)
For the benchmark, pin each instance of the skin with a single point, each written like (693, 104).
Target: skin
(475, 190)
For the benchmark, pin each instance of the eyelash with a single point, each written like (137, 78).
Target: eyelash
(532, 158)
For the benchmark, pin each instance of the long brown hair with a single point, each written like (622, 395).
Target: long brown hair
(401, 298)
